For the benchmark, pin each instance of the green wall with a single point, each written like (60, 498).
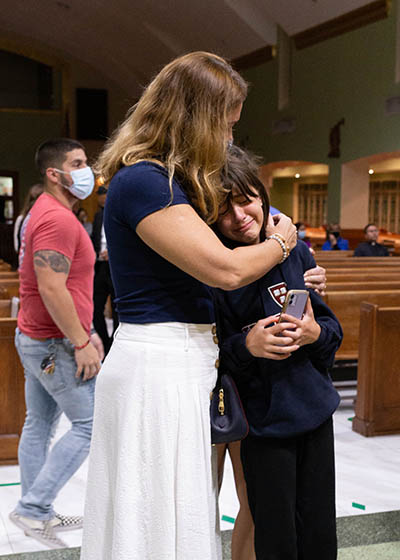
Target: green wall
(282, 195)
(349, 76)
(21, 133)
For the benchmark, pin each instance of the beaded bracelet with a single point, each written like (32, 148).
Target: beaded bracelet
(279, 239)
(283, 241)
(83, 345)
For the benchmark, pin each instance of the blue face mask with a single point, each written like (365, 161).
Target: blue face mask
(301, 234)
(83, 182)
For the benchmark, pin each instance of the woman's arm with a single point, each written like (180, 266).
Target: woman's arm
(179, 235)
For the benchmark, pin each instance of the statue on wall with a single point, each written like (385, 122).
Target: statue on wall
(334, 140)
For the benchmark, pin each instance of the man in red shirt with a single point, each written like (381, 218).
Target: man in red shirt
(60, 358)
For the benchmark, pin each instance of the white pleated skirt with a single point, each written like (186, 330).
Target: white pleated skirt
(152, 481)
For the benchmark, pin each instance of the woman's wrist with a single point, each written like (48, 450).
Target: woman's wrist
(278, 238)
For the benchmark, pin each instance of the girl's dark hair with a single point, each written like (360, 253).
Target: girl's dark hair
(241, 174)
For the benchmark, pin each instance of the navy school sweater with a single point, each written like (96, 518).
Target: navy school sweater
(288, 397)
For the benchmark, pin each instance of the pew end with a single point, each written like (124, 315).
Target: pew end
(378, 400)
(12, 403)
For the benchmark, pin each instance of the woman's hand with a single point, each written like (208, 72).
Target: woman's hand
(307, 329)
(98, 344)
(315, 278)
(332, 240)
(273, 342)
(284, 226)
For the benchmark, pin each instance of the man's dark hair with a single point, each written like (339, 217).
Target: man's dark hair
(52, 153)
(369, 225)
(241, 174)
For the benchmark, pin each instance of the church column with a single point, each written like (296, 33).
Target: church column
(354, 194)
(334, 180)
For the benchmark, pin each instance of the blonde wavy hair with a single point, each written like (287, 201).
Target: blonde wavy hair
(181, 120)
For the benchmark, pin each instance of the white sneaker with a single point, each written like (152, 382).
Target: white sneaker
(66, 522)
(42, 531)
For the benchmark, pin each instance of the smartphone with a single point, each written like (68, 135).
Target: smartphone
(295, 304)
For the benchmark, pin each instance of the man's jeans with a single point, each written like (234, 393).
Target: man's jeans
(47, 395)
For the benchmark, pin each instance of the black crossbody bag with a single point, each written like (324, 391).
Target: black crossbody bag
(228, 419)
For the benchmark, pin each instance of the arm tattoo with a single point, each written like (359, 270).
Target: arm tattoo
(56, 261)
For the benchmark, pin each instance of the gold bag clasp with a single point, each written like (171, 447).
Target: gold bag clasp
(221, 404)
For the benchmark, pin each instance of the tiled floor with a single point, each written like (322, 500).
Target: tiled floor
(367, 475)
(384, 551)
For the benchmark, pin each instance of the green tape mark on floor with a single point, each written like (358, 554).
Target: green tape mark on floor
(358, 506)
(11, 484)
(228, 519)
(350, 419)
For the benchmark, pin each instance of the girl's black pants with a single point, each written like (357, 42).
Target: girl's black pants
(291, 491)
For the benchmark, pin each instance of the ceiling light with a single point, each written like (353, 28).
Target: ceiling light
(371, 171)
(297, 175)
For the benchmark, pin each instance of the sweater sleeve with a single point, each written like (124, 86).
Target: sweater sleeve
(322, 351)
(235, 358)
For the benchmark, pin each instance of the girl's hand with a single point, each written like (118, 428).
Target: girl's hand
(274, 342)
(307, 329)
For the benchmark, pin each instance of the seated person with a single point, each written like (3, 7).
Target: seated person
(370, 247)
(333, 240)
(302, 233)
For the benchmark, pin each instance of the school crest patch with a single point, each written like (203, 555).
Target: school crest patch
(278, 293)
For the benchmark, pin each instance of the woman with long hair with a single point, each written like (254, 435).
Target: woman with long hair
(32, 195)
(152, 485)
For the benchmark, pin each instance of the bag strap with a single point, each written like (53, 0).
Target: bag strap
(217, 315)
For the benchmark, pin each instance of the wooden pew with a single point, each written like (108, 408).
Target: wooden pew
(11, 285)
(389, 263)
(5, 267)
(12, 404)
(359, 270)
(8, 274)
(5, 308)
(346, 306)
(365, 285)
(348, 256)
(4, 293)
(378, 396)
(362, 275)
(326, 255)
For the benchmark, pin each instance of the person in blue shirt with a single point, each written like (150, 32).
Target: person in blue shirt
(282, 373)
(333, 240)
(152, 485)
